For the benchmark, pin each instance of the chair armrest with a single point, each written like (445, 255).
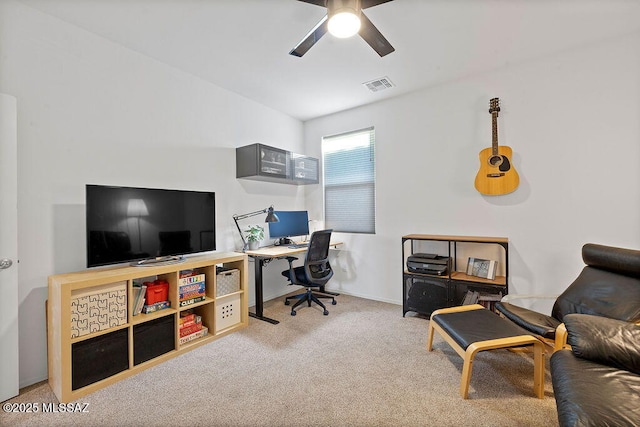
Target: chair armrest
(560, 341)
(603, 340)
(292, 274)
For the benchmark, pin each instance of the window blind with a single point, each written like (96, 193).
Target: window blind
(349, 181)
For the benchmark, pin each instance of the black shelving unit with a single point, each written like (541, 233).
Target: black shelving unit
(424, 293)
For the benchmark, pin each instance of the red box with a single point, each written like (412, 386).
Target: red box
(156, 292)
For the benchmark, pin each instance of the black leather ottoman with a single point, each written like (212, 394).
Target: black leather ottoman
(470, 329)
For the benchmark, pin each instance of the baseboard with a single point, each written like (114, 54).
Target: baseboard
(369, 297)
(340, 291)
(31, 381)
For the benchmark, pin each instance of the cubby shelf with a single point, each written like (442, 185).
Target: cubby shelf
(102, 355)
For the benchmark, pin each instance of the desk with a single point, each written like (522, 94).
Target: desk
(262, 257)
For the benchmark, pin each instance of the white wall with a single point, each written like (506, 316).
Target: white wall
(90, 111)
(573, 121)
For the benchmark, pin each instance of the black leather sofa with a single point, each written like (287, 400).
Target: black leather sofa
(597, 382)
(608, 286)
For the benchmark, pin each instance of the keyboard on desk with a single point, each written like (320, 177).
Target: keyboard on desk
(298, 245)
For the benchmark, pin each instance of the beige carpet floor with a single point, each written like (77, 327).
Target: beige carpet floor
(362, 365)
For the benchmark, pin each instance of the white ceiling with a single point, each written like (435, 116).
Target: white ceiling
(243, 45)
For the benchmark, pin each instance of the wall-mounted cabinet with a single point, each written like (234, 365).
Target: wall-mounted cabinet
(260, 162)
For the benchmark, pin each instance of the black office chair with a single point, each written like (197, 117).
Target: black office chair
(315, 273)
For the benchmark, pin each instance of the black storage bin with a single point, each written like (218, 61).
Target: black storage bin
(154, 338)
(98, 358)
(426, 295)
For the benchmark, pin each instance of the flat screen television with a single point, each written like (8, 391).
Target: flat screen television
(139, 225)
(290, 224)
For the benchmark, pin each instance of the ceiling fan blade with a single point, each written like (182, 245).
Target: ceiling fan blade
(310, 39)
(373, 37)
(318, 2)
(366, 3)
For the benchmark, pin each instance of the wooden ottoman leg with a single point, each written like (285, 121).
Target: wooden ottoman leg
(503, 343)
(538, 369)
(467, 367)
(430, 336)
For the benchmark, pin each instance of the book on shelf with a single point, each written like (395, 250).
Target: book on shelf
(156, 307)
(190, 280)
(488, 300)
(134, 298)
(190, 329)
(139, 291)
(471, 297)
(186, 317)
(191, 287)
(201, 333)
(194, 319)
(191, 291)
(187, 273)
(140, 304)
(486, 296)
(191, 301)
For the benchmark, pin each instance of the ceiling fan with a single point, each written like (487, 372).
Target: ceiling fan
(345, 18)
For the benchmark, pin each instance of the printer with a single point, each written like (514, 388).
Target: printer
(429, 264)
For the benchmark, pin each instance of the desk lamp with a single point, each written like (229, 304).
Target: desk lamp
(271, 217)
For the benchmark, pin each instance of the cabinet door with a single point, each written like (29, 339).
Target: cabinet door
(305, 169)
(273, 162)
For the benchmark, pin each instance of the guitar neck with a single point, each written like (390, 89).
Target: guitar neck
(494, 133)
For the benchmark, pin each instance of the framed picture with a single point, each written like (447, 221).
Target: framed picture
(484, 268)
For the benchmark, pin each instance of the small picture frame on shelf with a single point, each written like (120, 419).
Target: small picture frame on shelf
(484, 268)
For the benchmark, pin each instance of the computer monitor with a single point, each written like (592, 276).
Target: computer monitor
(292, 223)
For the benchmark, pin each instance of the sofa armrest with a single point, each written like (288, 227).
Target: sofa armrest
(607, 341)
(560, 342)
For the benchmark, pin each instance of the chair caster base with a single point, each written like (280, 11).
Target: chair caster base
(308, 297)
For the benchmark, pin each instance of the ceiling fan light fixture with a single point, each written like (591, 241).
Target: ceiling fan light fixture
(344, 24)
(341, 14)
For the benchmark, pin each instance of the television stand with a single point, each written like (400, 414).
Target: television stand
(163, 260)
(87, 355)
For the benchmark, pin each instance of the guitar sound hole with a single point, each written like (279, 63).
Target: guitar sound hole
(495, 160)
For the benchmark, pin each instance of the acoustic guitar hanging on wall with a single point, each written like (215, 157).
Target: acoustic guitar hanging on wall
(497, 175)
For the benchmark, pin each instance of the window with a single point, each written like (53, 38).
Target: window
(349, 181)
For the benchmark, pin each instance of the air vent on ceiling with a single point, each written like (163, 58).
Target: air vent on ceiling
(379, 84)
